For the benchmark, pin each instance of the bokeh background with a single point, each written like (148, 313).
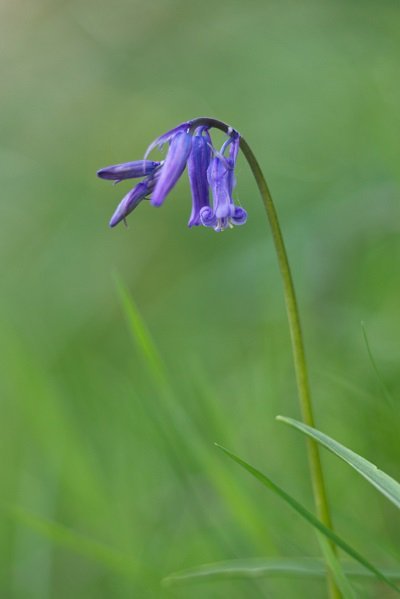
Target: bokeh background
(109, 476)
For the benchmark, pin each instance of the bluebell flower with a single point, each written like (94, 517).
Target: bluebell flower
(128, 170)
(188, 144)
(221, 178)
(198, 163)
(132, 199)
(174, 165)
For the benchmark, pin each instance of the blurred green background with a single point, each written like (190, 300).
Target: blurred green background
(109, 476)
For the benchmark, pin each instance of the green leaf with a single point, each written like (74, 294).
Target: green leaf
(261, 567)
(267, 482)
(382, 481)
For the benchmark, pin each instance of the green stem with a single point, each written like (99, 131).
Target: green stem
(303, 387)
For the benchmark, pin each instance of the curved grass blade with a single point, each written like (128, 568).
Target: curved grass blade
(267, 482)
(336, 568)
(387, 485)
(261, 567)
(175, 425)
(385, 392)
(141, 335)
(78, 543)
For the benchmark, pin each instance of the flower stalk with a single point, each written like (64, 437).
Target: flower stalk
(299, 358)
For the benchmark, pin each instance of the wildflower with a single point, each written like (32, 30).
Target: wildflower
(189, 144)
(221, 178)
(198, 164)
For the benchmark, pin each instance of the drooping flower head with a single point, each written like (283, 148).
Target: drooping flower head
(188, 144)
(221, 178)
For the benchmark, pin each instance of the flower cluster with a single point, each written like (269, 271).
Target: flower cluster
(188, 144)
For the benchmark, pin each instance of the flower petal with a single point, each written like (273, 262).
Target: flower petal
(133, 199)
(198, 163)
(128, 170)
(173, 167)
(163, 139)
(233, 152)
(207, 217)
(218, 174)
(128, 203)
(239, 216)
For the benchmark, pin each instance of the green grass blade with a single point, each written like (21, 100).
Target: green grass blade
(309, 517)
(78, 543)
(387, 485)
(261, 567)
(175, 426)
(384, 389)
(141, 335)
(336, 568)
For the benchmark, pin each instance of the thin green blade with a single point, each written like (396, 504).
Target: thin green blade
(141, 335)
(384, 389)
(309, 517)
(336, 569)
(78, 543)
(387, 485)
(262, 567)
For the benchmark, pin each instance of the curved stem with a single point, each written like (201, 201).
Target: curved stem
(303, 387)
(300, 364)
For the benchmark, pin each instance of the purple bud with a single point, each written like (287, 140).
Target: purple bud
(198, 164)
(128, 170)
(173, 167)
(132, 200)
